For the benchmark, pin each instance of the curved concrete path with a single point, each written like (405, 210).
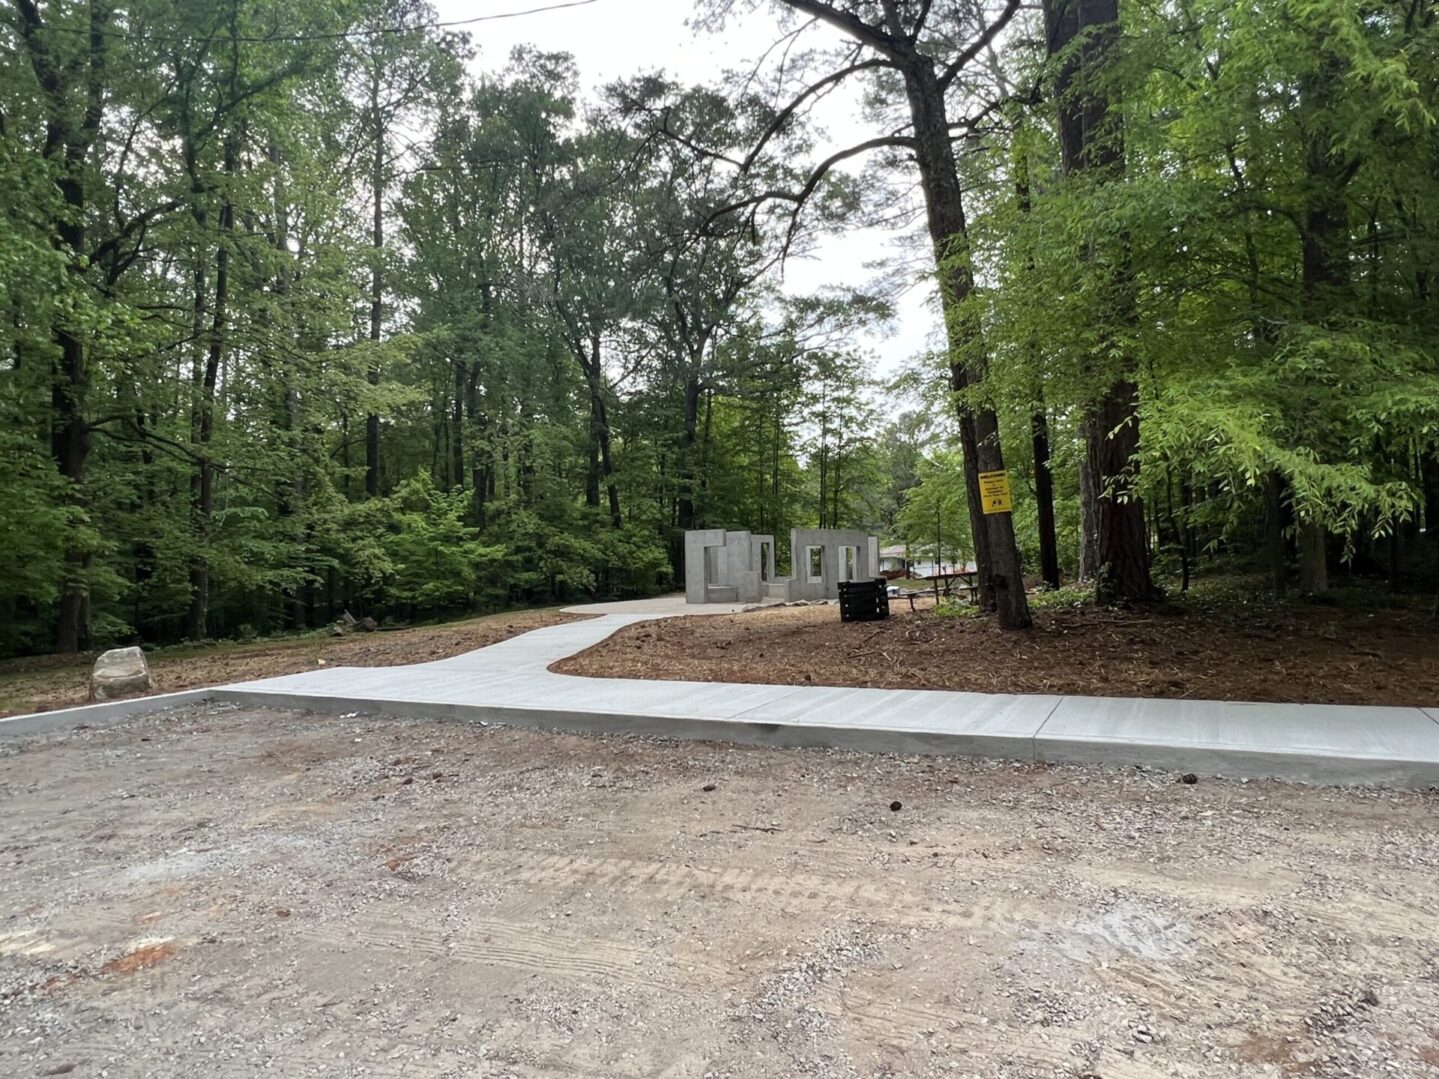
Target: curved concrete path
(509, 683)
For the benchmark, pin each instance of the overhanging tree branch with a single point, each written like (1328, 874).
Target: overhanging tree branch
(898, 50)
(978, 45)
(783, 116)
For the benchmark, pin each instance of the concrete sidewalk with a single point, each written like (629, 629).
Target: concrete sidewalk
(509, 683)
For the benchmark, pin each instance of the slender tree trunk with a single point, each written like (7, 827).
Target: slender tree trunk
(1092, 140)
(1313, 559)
(202, 480)
(1324, 257)
(689, 441)
(1088, 512)
(292, 494)
(1429, 482)
(479, 466)
(67, 144)
(1044, 500)
(592, 461)
(1039, 428)
(457, 425)
(377, 254)
(601, 462)
(996, 552)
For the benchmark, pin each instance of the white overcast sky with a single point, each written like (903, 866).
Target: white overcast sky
(610, 39)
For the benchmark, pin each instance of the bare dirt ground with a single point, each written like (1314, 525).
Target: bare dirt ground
(217, 891)
(1222, 651)
(43, 683)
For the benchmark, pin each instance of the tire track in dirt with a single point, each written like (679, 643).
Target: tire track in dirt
(670, 881)
(530, 948)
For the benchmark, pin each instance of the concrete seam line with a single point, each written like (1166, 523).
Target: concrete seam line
(1432, 713)
(1034, 738)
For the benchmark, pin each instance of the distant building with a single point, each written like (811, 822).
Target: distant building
(894, 561)
(899, 560)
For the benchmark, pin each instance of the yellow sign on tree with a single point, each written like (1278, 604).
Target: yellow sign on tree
(994, 492)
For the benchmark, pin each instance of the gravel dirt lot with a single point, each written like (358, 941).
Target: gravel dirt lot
(43, 683)
(1363, 652)
(218, 891)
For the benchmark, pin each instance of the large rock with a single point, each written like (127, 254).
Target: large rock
(119, 672)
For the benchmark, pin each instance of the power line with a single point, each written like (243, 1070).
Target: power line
(373, 31)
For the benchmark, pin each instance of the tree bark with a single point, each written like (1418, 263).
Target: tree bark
(1039, 428)
(202, 480)
(1313, 559)
(457, 425)
(377, 251)
(1274, 524)
(291, 493)
(996, 552)
(601, 463)
(1082, 33)
(1044, 500)
(68, 143)
(1324, 259)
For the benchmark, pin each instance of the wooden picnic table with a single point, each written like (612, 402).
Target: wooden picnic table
(943, 584)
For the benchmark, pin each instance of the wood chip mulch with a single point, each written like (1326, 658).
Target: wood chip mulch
(1297, 653)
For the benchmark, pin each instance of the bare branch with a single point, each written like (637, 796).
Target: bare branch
(979, 44)
(784, 115)
(898, 50)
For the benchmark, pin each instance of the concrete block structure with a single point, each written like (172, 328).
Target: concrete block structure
(739, 567)
(727, 567)
(820, 558)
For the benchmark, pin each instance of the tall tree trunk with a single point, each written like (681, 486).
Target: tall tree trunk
(1044, 500)
(1313, 559)
(1091, 141)
(1429, 482)
(996, 552)
(67, 144)
(457, 425)
(202, 480)
(1274, 525)
(689, 442)
(1324, 257)
(479, 467)
(1088, 513)
(601, 463)
(1039, 427)
(377, 254)
(291, 493)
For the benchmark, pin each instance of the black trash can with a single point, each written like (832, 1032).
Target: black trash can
(863, 601)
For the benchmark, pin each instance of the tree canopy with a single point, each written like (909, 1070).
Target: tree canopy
(302, 312)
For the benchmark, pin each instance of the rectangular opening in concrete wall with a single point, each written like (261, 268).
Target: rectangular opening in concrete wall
(848, 563)
(712, 565)
(814, 564)
(764, 556)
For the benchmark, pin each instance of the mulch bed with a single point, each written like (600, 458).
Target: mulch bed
(1317, 654)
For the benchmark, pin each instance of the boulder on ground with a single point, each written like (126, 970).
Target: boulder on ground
(119, 672)
(367, 624)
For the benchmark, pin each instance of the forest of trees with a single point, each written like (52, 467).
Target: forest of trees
(301, 313)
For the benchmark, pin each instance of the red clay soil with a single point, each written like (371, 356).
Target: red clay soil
(42, 683)
(1305, 653)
